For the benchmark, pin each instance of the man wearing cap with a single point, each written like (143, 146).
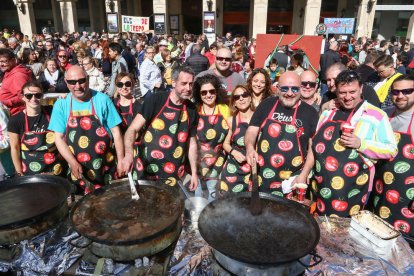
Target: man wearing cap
(349, 140)
(161, 46)
(278, 135)
(229, 79)
(393, 197)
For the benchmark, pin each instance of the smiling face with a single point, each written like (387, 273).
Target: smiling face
(183, 86)
(289, 88)
(349, 94)
(126, 89)
(331, 77)
(242, 99)
(258, 83)
(308, 79)
(51, 66)
(7, 64)
(35, 94)
(401, 101)
(208, 94)
(77, 82)
(223, 60)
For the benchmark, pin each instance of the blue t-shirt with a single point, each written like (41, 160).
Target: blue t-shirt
(103, 105)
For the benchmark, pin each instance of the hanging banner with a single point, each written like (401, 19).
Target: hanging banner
(209, 22)
(112, 19)
(135, 24)
(159, 23)
(339, 25)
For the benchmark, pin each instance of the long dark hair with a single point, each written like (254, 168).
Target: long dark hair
(268, 82)
(213, 80)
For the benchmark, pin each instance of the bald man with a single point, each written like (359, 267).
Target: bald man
(86, 123)
(229, 79)
(308, 89)
(284, 125)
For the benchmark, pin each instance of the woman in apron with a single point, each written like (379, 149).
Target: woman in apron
(211, 131)
(394, 186)
(33, 147)
(235, 176)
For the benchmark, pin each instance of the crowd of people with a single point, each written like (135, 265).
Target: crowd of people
(163, 108)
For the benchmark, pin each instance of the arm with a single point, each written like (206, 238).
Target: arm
(64, 150)
(250, 142)
(307, 167)
(229, 149)
(192, 158)
(119, 147)
(15, 152)
(129, 139)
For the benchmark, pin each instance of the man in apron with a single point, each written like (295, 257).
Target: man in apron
(168, 125)
(282, 127)
(86, 123)
(394, 185)
(348, 142)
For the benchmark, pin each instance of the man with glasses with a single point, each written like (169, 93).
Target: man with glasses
(395, 176)
(308, 89)
(385, 69)
(15, 76)
(282, 127)
(150, 78)
(86, 123)
(349, 140)
(229, 79)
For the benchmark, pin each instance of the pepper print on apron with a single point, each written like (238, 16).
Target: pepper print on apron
(39, 153)
(211, 132)
(164, 146)
(91, 145)
(394, 188)
(341, 180)
(235, 177)
(279, 147)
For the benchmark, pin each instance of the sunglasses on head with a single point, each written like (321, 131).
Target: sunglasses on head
(285, 89)
(310, 83)
(405, 92)
(204, 92)
(121, 84)
(73, 82)
(227, 59)
(244, 95)
(30, 96)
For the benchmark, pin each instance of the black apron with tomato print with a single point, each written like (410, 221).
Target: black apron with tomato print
(163, 148)
(394, 188)
(211, 132)
(39, 153)
(127, 117)
(280, 152)
(340, 184)
(235, 177)
(91, 145)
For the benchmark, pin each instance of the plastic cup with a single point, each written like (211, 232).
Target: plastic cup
(347, 128)
(301, 191)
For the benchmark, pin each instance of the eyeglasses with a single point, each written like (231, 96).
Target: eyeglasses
(73, 82)
(204, 92)
(244, 95)
(121, 84)
(30, 96)
(285, 89)
(310, 83)
(62, 56)
(405, 92)
(227, 59)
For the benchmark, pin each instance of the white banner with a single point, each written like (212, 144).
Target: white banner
(135, 24)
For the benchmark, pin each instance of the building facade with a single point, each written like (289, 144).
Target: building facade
(247, 17)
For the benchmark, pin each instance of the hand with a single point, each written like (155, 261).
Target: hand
(127, 163)
(350, 140)
(76, 169)
(193, 182)
(157, 85)
(251, 156)
(238, 156)
(300, 179)
(330, 105)
(120, 170)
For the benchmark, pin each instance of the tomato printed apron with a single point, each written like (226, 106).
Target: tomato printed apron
(127, 117)
(39, 153)
(394, 190)
(235, 177)
(211, 132)
(341, 180)
(279, 147)
(91, 145)
(163, 147)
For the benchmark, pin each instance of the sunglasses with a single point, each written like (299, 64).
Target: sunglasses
(223, 59)
(310, 83)
(73, 82)
(30, 96)
(204, 92)
(62, 56)
(121, 84)
(244, 95)
(285, 89)
(405, 92)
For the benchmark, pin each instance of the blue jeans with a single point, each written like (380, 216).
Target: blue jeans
(210, 185)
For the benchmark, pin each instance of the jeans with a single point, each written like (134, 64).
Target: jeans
(210, 185)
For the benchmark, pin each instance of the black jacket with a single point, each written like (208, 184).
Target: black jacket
(60, 87)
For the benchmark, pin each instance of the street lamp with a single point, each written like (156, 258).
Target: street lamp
(111, 5)
(19, 5)
(209, 5)
(370, 5)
